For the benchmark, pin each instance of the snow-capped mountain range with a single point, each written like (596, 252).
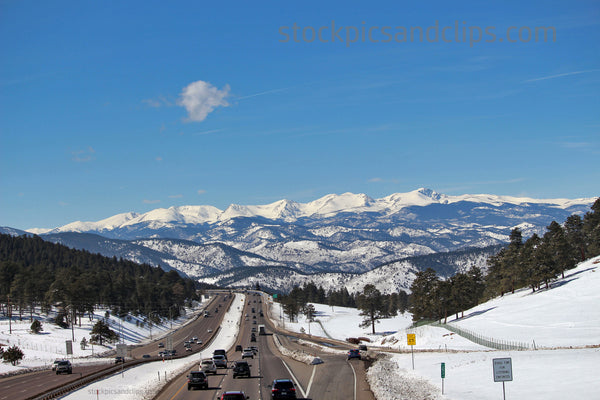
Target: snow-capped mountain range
(290, 211)
(336, 234)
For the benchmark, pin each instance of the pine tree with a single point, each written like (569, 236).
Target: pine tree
(423, 295)
(370, 303)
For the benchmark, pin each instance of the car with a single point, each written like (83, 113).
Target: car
(162, 353)
(161, 345)
(239, 348)
(354, 353)
(64, 367)
(119, 359)
(254, 317)
(283, 389)
(208, 366)
(209, 330)
(254, 349)
(234, 396)
(194, 339)
(55, 363)
(197, 379)
(220, 361)
(146, 356)
(198, 341)
(253, 322)
(241, 368)
(248, 353)
(220, 352)
(188, 348)
(253, 328)
(362, 347)
(253, 338)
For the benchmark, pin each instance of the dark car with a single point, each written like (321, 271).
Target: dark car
(362, 347)
(241, 368)
(354, 353)
(197, 379)
(239, 348)
(119, 359)
(64, 367)
(283, 389)
(253, 338)
(234, 396)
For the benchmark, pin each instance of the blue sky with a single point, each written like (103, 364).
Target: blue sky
(110, 107)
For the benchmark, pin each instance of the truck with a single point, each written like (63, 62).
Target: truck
(261, 330)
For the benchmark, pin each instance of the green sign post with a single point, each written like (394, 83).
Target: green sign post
(443, 375)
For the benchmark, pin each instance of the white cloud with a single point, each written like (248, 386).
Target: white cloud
(151, 201)
(201, 191)
(83, 155)
(201, 98)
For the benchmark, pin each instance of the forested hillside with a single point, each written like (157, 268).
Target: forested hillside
(532, 263)
(36, 273)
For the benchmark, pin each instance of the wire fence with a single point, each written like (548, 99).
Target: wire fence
(486, 341)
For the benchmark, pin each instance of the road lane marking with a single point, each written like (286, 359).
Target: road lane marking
(354, 373)
(294, 378)
(310, 381)
(180, 389)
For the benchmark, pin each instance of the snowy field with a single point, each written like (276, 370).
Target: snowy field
(564, 320)
(144, 381)
(42, 349)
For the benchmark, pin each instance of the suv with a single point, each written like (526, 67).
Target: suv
(197, 379)
(234, 396)
(55, 363)
(208, 365)
(354, 353)
(64, 367)
(119, 359)
(220, 352)
(283, 389)
(241, 368)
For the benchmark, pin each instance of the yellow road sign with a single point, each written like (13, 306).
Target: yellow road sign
(411, 338)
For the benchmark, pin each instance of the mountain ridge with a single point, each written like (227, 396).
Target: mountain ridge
(290, 211)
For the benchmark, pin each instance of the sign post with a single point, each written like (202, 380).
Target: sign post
(502, 372)
(411, 340)
(122, 352)
(443, 375)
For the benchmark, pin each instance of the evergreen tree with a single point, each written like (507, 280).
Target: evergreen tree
(423, 295)
(36, 327)
(591, 230)
(13, 355)
(370, 303)
(101, 331)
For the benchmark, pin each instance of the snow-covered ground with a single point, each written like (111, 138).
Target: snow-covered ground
(42, 349)
(144, 381)
(564, 320)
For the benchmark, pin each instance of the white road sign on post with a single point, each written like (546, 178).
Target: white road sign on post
(502, 369)
(502, 372)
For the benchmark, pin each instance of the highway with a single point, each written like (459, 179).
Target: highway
(30, 385)
(336, 378)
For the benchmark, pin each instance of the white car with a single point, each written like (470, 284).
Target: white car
(208, 366)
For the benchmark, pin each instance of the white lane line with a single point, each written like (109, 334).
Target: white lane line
(310, 381)
(294, 378)
(354, 373)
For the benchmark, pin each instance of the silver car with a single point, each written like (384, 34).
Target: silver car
(220, 361)
(208, 366)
